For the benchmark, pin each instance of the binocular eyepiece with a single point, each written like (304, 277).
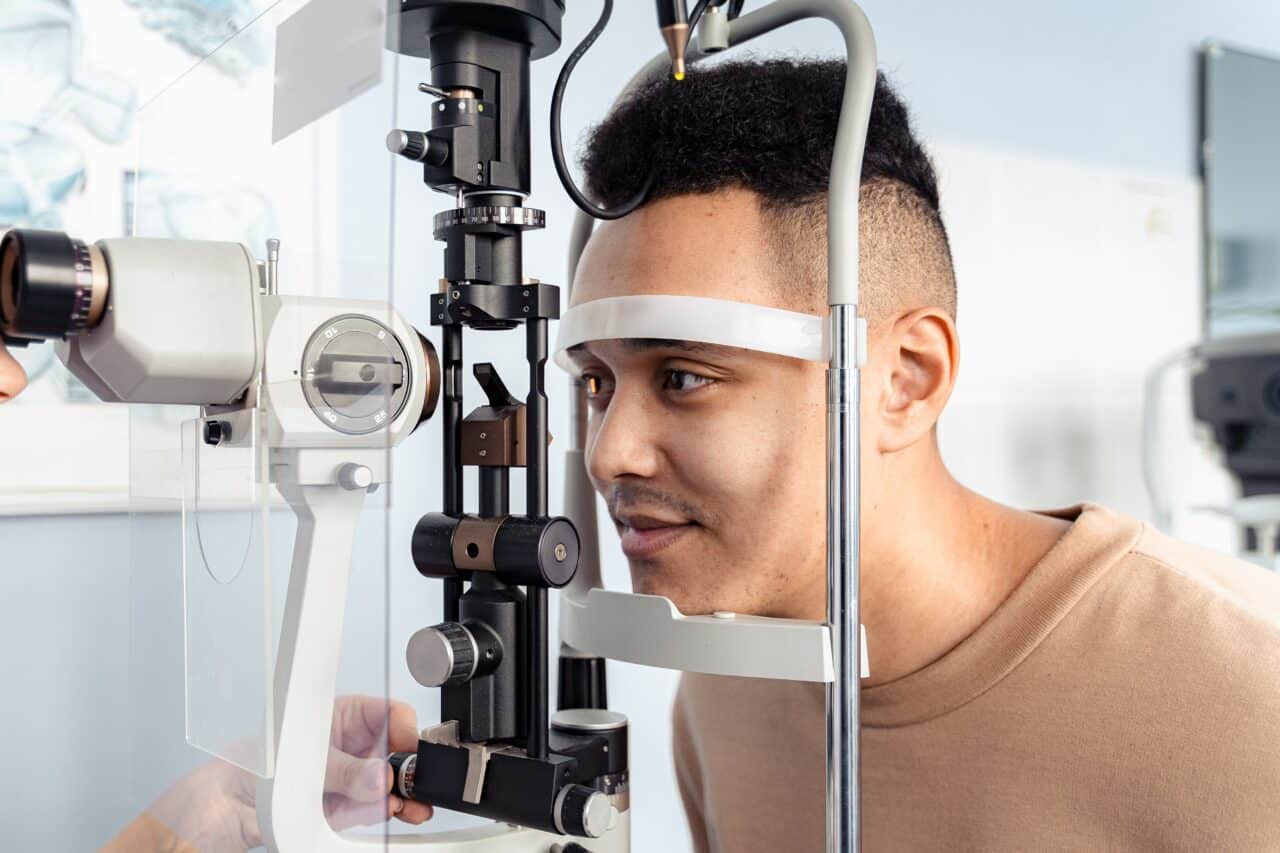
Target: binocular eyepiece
(51, 286)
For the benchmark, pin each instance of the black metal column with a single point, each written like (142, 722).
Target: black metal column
(536, 489)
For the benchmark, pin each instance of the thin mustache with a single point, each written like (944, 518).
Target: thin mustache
(633, 496)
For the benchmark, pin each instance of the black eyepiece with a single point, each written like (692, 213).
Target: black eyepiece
(51, 286)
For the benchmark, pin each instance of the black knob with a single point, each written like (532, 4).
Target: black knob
(216, 432)
(536, 551)
(583, 811)
(432, 546)
(403, 768)
(583, 683)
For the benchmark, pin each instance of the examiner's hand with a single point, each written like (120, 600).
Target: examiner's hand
(213, 808)
(12, 377)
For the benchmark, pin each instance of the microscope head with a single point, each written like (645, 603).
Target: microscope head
(194, 322)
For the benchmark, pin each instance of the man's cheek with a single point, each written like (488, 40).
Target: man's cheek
(716, 466)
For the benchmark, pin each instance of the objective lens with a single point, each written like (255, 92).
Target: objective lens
(51, 286)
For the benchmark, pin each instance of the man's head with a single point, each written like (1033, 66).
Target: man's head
(712, 459)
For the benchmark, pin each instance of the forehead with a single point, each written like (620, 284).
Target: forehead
(713, 245)
(642, 353)
(618, 349)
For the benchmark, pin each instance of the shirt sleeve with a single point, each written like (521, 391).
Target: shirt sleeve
(688, 773)
(147, 835)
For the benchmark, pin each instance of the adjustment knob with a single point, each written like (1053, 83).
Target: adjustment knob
(583, 811)
(354, 478)
(417, 146)
(442, 655)
(410, 144)
(404, 767)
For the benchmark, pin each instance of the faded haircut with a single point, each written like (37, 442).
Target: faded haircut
(769, 126)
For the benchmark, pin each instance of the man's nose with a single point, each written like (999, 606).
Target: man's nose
(623, 440)
(12, 377)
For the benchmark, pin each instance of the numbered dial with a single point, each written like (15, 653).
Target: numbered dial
(355, 374)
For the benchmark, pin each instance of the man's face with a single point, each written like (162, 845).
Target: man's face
(711, 459)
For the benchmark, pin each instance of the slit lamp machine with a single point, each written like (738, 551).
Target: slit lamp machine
(325, 386)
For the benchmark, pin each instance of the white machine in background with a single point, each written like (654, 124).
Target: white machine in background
(1235, 403)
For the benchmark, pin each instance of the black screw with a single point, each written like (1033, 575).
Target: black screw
(216, 432)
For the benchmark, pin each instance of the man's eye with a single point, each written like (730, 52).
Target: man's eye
(683, 380)
(593, 384)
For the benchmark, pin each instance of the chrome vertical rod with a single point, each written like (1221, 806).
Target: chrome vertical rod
(842, 580)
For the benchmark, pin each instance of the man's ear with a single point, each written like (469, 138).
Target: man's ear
(922, 358)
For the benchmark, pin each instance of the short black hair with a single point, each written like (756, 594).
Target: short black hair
(765, 125)
(768, 126)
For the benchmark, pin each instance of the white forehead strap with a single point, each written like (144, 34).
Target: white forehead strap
(722, 322)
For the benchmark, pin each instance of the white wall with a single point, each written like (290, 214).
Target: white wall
(91, 671)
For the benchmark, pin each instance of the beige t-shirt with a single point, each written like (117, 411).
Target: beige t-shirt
(1126, 696)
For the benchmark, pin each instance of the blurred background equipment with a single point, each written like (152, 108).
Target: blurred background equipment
(1235, 369)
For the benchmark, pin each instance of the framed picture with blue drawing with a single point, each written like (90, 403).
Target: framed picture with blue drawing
(146, 118)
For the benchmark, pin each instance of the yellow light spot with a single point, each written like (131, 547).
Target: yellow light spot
(679, 75)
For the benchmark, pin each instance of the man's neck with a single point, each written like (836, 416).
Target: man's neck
(937, 560)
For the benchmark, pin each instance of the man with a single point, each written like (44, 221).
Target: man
(1070, 680)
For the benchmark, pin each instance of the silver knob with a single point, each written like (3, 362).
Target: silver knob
(417, 146)
(407, 143)
(582, 811)
(441, 655)
(353, 477)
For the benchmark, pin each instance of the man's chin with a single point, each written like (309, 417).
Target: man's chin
(688, 601)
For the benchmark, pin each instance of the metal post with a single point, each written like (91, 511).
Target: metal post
(451, 357)
(842, 581)
(536, 507)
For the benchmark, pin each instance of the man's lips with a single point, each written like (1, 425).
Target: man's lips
(644, 536)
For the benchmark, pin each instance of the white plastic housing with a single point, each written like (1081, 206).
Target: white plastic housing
(288, 323)
(180, 326)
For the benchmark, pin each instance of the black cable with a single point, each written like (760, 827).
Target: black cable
(557, 150)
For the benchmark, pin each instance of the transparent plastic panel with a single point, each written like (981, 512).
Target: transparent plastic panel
(277, 513)
(227, 594)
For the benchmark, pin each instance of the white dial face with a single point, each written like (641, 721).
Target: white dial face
(355, 374)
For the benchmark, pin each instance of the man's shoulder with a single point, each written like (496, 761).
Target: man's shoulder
(1244, 593)
(1181, 614)
(1178, 656)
